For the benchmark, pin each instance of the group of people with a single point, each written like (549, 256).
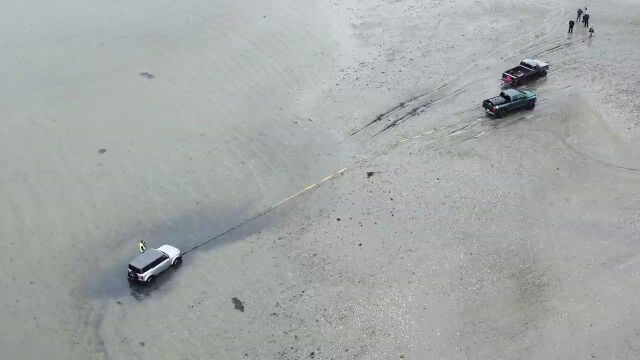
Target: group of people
(582, 15)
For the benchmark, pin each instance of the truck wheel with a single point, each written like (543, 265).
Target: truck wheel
(531, 105)
(543, 73)
(177, 261)
(500, 113)
(150, 279)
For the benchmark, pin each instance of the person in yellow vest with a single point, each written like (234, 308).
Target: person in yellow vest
(142, 246)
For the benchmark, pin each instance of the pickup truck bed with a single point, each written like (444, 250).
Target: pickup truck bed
(519, 71)
(509, 100)
(527, 70)
(495, 101)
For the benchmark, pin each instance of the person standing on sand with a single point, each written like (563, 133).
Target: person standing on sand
(142, 245)
(584, 12)
(585, 20)
(571, 23)
(579, 14)
(591, 32)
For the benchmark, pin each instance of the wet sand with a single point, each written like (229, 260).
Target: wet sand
(471, 238)
(164, 121)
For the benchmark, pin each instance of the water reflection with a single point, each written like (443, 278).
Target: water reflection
(140, 291)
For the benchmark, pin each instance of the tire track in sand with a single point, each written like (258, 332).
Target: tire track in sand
(413, 111)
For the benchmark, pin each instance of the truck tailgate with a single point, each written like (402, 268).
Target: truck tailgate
(488, 106)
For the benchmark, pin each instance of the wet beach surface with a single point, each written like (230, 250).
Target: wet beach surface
(449, 235)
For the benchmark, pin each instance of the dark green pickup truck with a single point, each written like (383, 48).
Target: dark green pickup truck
(510, 100)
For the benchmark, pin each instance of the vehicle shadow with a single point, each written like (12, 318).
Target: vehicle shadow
(531, 85)
(140, 291)
(511, 119)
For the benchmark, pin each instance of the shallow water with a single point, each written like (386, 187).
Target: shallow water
(163, 120)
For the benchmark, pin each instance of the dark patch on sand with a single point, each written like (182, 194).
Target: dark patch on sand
(237, 304)
(186, 231)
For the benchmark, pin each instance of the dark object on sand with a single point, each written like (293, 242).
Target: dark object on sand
(370, 174)
(237, 304)
(147, 75)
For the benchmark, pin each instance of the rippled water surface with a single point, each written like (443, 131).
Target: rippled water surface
(163, 120)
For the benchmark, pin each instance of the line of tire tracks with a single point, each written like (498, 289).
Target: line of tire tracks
(442, 133)
(413, 111)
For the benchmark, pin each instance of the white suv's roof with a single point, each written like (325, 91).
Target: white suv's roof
(146, 258)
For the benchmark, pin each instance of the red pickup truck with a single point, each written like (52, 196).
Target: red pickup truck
(527, 70)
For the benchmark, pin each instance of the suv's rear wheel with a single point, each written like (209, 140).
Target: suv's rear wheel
(500, 113)
(543, 73)
(150, 279)
(177, 261)
(531, 105)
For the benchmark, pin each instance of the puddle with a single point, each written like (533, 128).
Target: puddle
(186, 232)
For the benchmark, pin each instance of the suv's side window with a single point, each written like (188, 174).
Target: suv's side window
(161, 260)
(158, 261)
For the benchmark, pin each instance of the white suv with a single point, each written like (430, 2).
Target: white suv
(152, 262)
